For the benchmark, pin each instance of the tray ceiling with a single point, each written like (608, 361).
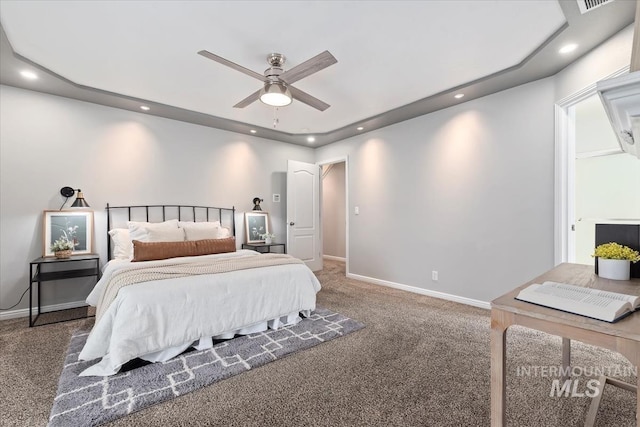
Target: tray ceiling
(396, 60)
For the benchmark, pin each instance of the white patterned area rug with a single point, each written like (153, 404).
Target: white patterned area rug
(92, 401)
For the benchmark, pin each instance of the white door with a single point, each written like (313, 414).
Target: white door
(303, 213)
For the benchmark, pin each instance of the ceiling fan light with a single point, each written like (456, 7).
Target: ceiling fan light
(275, 94)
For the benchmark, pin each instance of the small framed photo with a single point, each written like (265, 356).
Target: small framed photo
(72, 225)
(255, 224)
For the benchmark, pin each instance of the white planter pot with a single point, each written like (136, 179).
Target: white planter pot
(268, 241)
(616, 269)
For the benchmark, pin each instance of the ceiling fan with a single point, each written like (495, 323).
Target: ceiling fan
(278, 90)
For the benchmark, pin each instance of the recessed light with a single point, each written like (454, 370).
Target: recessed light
(458, 95)
(29, 75)
(144, 107)
(253, 131)
(568, 48)
(311, 139)
(359, 128)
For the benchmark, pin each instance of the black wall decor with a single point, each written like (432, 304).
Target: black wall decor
(624, 234)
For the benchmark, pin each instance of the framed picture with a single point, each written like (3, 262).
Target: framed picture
(255, 224)
(73, 225)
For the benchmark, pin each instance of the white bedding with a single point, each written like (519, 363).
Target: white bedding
(157, 320)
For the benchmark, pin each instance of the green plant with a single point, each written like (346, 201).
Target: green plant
(267, 236)
(616, 251)
(62, 244)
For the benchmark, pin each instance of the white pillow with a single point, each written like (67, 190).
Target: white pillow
(138, 230)
(201, 233)
(122, 246)
(204, 230)
(224, 233)
(200, 224)
(165, 235)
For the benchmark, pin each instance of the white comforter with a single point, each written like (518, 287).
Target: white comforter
(159, 319)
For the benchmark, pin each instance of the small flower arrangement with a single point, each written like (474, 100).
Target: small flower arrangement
(62, 244)
(267, 236)
(616, 251)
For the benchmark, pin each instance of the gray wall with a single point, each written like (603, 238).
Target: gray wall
(123, 158)
(607, 58)
(333, 210)
(466, 191)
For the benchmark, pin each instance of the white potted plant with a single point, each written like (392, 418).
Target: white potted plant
(268, 238)
(62, 248)
(614, 260)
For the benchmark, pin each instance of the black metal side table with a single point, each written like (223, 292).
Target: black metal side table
(64, 270)
(264, 248)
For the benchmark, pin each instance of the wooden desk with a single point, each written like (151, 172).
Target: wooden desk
(622, 337)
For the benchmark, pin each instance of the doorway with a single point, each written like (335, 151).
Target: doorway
(334, 210)
(589, 163)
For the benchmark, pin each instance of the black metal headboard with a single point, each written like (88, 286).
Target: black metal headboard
(164, 212)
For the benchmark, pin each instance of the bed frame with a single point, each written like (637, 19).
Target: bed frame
(164, 212)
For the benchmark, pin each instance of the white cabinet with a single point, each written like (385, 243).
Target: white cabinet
(621, 99)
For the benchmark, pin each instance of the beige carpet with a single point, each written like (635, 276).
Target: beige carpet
(418, 362)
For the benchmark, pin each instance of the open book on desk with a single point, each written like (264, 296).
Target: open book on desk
(594, 303)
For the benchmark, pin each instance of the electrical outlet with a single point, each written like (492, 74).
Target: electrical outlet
(434, 275)
(276, 198)
(356, 210)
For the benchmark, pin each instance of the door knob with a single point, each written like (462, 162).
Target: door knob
(292, 223)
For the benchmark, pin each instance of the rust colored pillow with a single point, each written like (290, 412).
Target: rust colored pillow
(151, 251)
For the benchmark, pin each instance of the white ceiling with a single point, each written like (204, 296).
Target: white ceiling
(390, 53)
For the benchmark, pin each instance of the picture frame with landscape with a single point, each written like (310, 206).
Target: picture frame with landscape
(256, 224)
(73, 225)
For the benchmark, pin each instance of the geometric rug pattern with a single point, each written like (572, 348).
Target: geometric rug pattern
(92, 401)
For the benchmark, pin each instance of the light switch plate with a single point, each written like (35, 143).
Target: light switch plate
(276, 198)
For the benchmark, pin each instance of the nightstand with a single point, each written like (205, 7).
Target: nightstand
(264, 248)
(49, 269)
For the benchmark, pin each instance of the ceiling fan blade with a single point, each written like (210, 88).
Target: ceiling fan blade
(248, 100)
(304, 97)
(313, 65)
(230, 64)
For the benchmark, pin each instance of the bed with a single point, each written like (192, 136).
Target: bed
(154, 307)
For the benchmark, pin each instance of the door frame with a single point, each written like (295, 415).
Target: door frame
(345, 160)
(564, 170)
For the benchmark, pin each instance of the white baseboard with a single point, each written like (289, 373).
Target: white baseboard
(421, 291)
(24, 312)
(334, 258)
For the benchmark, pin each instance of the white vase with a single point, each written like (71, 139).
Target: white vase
(267, 241)
(616, 269)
